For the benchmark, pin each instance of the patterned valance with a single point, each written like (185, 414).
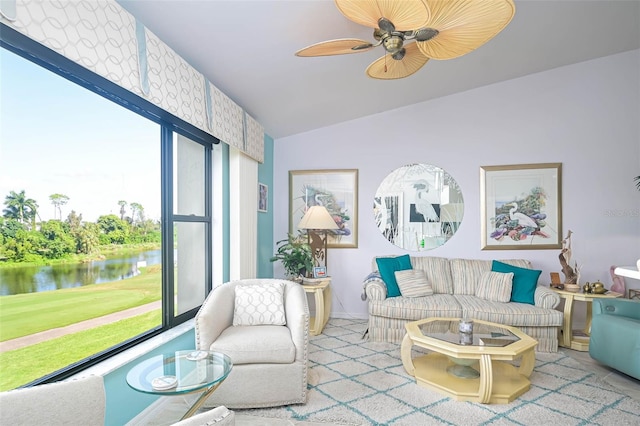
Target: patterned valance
(103, 37)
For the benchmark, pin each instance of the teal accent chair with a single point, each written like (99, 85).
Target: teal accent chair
(615, 334)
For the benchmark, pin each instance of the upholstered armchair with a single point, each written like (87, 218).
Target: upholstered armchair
(263, 326)
(615, 334)
(80, 402)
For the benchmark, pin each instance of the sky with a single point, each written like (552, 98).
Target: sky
(59, 138)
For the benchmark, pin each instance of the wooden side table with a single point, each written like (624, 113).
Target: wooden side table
(578, 339)
(321, 289)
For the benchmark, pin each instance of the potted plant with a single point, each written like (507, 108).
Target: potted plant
(295, 255)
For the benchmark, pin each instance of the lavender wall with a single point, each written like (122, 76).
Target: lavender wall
(585, 116)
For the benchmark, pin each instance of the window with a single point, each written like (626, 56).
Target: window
(87, 190)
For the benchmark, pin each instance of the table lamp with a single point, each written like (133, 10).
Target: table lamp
(317, 218)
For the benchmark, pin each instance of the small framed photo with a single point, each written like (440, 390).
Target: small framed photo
(263, 197)
(319, 272)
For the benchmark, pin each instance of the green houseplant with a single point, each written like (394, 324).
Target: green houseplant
(295, 255)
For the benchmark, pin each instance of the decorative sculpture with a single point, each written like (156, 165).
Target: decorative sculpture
(571, 275)
(618, 285)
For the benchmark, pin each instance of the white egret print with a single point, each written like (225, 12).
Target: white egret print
(521, 206)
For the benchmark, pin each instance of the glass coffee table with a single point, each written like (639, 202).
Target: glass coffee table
(469, 367)
(181, 372)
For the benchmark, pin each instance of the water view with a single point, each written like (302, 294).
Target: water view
(34, 279)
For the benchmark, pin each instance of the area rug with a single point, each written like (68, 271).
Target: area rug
(356, 382)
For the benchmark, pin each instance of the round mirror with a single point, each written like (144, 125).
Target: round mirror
(418, 207)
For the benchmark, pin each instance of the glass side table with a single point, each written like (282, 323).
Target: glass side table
(179, 373)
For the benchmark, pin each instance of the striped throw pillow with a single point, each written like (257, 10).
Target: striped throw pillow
(495, 286)
(413, 283)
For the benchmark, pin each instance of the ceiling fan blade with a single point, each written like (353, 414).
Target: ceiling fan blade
(387, 68)
(336, 47)
(405, 15)
(464, 25)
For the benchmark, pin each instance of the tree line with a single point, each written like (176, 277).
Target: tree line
(26, 238)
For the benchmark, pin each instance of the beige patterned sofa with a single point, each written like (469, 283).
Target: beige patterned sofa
(454, 283)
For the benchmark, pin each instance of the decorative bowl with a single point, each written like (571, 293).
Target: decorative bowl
(572, 287)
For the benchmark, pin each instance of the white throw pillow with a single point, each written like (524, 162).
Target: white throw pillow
(495, 286)
(259, 305)
(413, 283)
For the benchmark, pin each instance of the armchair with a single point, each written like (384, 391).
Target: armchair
(269, 361)
(615, 334)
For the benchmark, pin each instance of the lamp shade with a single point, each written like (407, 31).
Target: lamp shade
(317, 217)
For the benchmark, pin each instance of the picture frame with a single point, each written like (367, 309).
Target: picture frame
(521, 206)
(337, 190)
(263, 197)
(319, 271)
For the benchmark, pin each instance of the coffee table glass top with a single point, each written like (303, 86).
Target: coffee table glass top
(483, 334)
(179, 372)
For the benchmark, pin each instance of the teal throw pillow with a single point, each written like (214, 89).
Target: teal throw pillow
(525, 281)
(388, 267)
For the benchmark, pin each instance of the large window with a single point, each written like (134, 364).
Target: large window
(106, 216)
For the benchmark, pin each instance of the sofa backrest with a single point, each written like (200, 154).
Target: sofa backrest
(438, 272)
(466, 273)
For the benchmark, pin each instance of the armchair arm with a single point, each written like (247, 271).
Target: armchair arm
(215, 315)
(374, 287)
(546, 298)
(297, 312)
(617, 307)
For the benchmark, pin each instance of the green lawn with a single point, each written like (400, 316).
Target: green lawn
(24, 365)
(25, 314)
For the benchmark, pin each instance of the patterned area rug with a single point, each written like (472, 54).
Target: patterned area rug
(356, 382)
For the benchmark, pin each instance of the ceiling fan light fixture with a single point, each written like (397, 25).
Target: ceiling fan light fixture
(399, 54)
(393, 43)
(411, 61)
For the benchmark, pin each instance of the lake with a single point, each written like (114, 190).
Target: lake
(34, 279)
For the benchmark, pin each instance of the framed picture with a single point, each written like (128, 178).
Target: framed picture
(319, 272)
(263, 197)
(337, 190)
(521, 206)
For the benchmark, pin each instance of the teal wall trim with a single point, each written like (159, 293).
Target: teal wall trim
(264, 267)
(124, 403)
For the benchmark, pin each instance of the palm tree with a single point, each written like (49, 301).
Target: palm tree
(136, 208)
(21, 208)
(122, 204)
(58, 200)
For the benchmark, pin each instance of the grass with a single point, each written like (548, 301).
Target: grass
(26, 314)
(24, 365)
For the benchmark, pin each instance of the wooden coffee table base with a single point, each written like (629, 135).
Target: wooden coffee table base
(499, 382)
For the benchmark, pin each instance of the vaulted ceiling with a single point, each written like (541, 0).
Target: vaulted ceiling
(246, 49)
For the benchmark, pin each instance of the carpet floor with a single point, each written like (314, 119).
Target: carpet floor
(356, 382)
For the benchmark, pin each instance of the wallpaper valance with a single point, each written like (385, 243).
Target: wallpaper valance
(104, 38)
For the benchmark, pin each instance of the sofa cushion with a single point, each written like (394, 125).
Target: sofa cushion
(438, 272)
(415, 308)
(256, 345)
(495, 286)
(525, 281)
(513, 313)
(413, 283)
(259, 305)
(388, 266)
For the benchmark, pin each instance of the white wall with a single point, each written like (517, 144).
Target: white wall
(586, 116)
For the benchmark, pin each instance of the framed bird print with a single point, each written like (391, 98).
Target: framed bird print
(521, 206)
(337, 190)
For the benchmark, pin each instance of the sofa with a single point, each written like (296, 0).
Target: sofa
(460, 288)
(615, 334)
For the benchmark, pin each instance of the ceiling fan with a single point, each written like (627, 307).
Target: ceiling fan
(414, 31)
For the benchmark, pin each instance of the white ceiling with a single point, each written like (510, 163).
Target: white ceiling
(246, 49)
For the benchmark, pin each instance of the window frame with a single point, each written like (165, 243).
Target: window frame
(41, 55)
